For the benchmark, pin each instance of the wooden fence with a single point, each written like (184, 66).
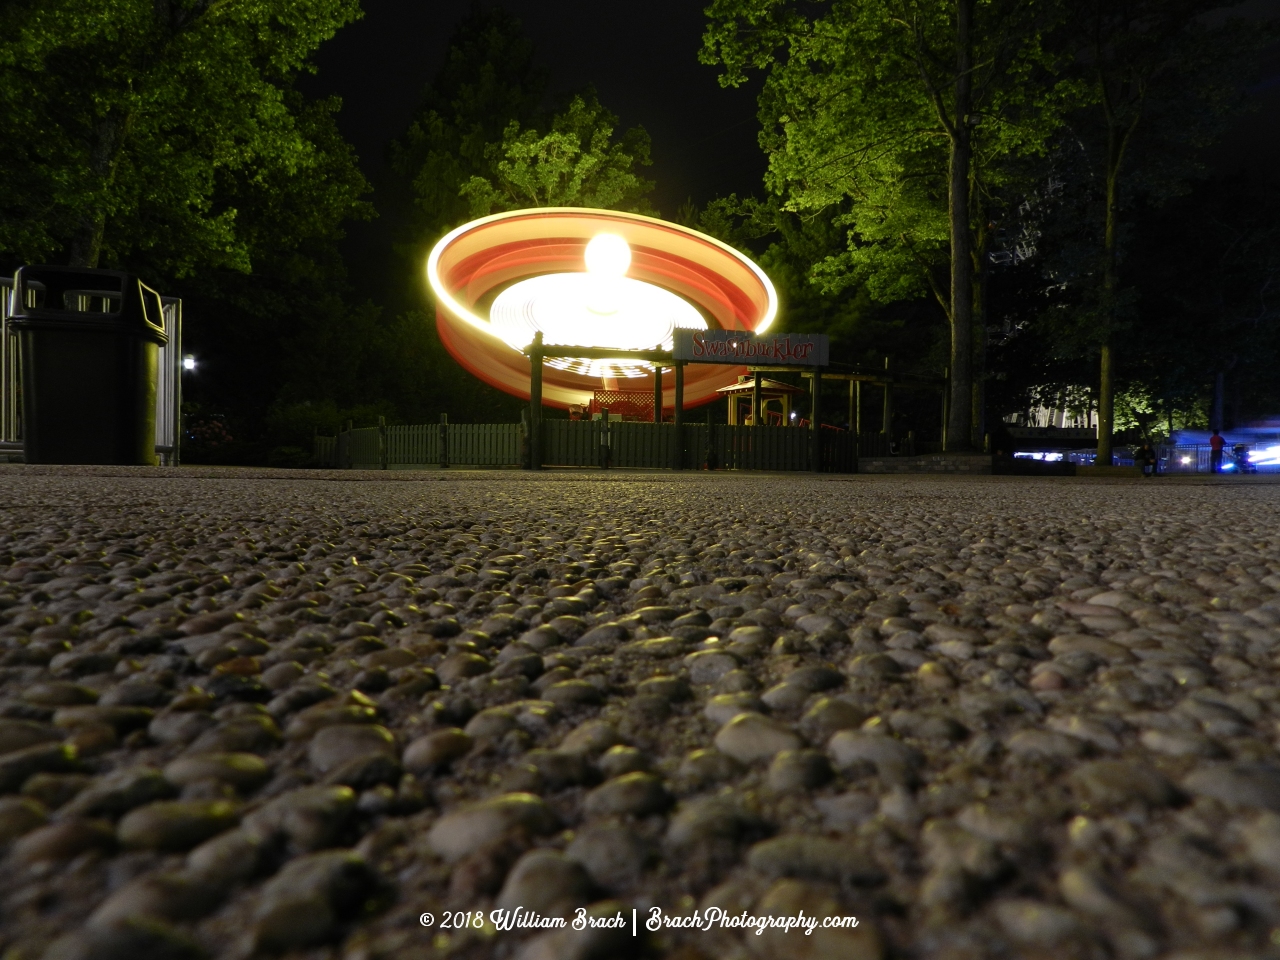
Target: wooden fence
(454, 444)
(643, 444)
(573, 443)
(417, 446)
(593, 443)
(721, 446)
(361, 449)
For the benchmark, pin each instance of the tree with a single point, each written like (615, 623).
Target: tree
(787, 245)
(125, 118)
(576, 163)
(904, 107)
(290, 332)
(1208, 266)
(489, 81)
(1162, 79)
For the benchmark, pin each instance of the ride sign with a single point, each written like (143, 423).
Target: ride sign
(739, 346)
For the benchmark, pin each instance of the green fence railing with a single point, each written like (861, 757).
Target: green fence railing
(594, 443)
(421, 446)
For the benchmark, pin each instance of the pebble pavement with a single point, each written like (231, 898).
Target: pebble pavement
(251, 715)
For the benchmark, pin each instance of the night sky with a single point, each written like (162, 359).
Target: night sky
(646, 70)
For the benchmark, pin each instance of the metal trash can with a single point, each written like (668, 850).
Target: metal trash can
(89, 345)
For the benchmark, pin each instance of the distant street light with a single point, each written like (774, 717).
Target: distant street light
(188, 362)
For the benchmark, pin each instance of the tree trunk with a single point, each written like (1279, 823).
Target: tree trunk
(1219, 401)
(86, 244)
(978, 434)
(959, 421)
(1106, 406)
(1110, 282)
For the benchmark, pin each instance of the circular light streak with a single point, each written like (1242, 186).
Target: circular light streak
(500, 279)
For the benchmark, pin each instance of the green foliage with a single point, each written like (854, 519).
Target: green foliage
(125, 121)
(480, 141)
(862, 329)
(856, 117)
(576, 163)
(167, 138)
(1110, 100)
(287, 331)
(911, 118)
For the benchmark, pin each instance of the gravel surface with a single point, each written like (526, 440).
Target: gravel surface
(247, 714)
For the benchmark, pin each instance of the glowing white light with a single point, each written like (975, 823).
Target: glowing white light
(188, 362)
(1266, 456)
(1186, 460)
(607, 255)
(567, 308)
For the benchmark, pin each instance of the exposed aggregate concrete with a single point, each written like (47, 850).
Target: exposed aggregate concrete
(244, 716)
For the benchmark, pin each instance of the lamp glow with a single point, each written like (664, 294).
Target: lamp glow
(188, 362)
(607, 255)
(568, 309)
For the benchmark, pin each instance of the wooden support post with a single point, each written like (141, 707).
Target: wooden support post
(849, 419)
(535, 402)
(657, 393)
(444, 441)
(815, 421)
(679, 415)
(857, 406)
(755, 399)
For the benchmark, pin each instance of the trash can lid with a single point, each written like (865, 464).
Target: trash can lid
(49, 297)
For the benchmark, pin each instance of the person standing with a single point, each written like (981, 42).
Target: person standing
(1147, 459)
(1216, 443)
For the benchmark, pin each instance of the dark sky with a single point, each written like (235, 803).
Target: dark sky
(642, 59)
